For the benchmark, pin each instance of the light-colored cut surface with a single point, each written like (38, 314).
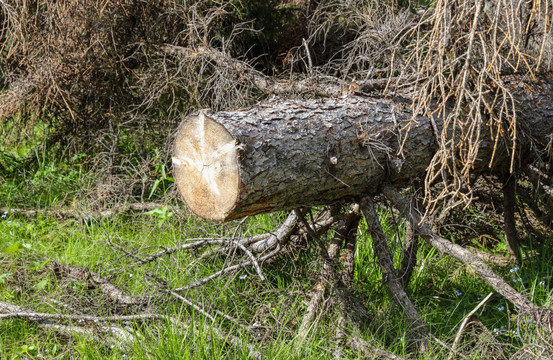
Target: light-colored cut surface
(205, 165)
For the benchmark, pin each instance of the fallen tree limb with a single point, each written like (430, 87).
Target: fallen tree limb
(542, 316)
(81, 214)
(369, 351)
(107, 288)
(314, 85)
(408, 254)
(509, 223)
(329, 276)
(463, 324)
(389, 273)
(10, 311)
(230, 269)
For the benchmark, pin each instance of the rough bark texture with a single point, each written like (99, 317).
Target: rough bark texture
(409, 254)
(284, 154)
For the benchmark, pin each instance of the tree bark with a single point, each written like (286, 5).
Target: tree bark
(284, 154)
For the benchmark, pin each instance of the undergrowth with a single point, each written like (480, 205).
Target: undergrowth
(443, 290)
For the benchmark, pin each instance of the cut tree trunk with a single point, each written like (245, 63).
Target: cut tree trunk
(284, 154)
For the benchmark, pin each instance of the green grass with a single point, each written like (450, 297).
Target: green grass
(443, 289)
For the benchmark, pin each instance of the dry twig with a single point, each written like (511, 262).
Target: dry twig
(463, 324)
(389, 274)
(540, 315)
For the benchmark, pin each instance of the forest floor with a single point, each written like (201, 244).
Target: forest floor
(78, 283)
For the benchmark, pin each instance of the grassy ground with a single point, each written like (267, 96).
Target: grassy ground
(31, 247)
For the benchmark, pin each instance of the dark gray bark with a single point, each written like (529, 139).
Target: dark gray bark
(409, 254)
(284, 154)
(509, 223)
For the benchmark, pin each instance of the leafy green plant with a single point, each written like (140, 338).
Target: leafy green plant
(16, 247)
(36, 266)
(162, 180)
(161, 214)
(25, 350)
(42, 284)
(3, 277)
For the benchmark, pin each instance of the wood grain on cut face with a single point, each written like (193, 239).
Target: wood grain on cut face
(205, 165)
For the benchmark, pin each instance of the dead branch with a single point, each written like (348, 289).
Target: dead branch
(522, 303)
(192, 243)
(345, 237)
(370, 351)
(81, 215)
(463, 324)
(409, 254)
(10, 311)
(389, 274)
(107, 288)
(546, 218)
(113, 335)
(493, 259)
(230, 269)
(278, 236)
(202, 311)
(251, 245)
(541, 181)
(328, 276)
(316, 85)
(509, 223)
(253, 352)
(446, 346)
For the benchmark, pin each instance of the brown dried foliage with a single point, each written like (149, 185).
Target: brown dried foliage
(85, 66)
(464, 51)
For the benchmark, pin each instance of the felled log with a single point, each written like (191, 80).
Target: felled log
(284, 154)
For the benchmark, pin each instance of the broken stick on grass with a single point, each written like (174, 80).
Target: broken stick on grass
(389, 273)
(542, 316)
(463, 324)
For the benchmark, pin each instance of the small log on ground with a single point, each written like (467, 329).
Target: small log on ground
(285, 154)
